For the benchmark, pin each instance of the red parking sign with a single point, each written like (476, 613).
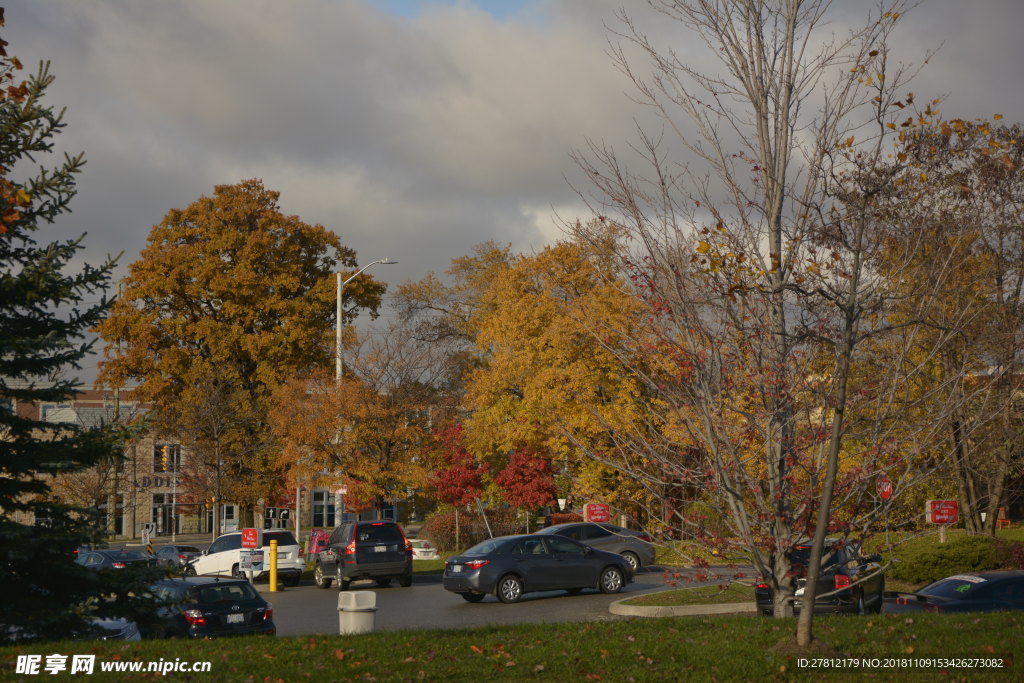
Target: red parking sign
(942, 511)
(598, 512)
(251, 538)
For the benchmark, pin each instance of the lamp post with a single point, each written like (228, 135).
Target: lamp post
(340, 294)
(339, 497)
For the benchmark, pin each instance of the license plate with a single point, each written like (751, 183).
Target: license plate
(236, 618)
(380, 549)
(456, 568)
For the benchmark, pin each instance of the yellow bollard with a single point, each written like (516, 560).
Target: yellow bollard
(273, 566)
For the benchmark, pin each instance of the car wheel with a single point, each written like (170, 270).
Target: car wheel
(633, 560)
(405, 580)
(472, 597)
(236, 572)
(385, 582)
(190, 571)
(877, 607)
(611, 580)
(509, 589)
(319, 579)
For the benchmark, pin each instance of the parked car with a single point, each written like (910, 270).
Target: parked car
(208, 607)
(116, 628)
(222, 557)
(987, 591)
(855, 581)
(176, 555)
(377, 550)
(636, 546)
(423, 549)
(510, 566)
(114, 559)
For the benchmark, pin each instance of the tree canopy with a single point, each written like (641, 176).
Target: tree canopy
(229, 290)
(47, 305)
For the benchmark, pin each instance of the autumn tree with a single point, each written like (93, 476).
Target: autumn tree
(367, 430)
(973, 198)
(760, 257)
(48, 302)
(229, 289)
(544, 385)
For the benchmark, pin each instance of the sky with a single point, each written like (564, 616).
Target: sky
(414, 129)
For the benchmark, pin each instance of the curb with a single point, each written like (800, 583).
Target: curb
(619, 608)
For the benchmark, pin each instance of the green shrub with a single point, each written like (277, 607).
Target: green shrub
(925, 559)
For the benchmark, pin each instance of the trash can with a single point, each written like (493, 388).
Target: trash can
(356, 611)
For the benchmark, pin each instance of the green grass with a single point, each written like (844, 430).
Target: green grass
(727, 648)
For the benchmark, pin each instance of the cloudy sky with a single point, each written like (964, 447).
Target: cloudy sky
(412, 128)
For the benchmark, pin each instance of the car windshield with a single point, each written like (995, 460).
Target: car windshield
(379, 533)
(282, 538)
(485, 548)
(959, 586)
(127, 555)
(225, 592)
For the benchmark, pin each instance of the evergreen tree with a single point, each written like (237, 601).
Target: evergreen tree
(45, 312)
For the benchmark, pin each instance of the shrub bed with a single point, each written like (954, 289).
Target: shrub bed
(440, 527)
(925, 560)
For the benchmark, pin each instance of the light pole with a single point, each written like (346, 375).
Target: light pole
(340, 294)
(339, 500)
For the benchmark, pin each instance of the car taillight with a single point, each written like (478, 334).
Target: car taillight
(195, 617)
(646, 538)
(119, 565)
(762, 585)
(476, 564)
(350, 549)
(182, 557)
(302, 553)
(842, 581)
(268, 613)
(408, 543)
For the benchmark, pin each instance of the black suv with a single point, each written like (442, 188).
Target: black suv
(376, 550)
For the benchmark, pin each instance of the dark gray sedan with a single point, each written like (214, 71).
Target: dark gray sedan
(114, 559)
(510, 566)
(177, 555)
(636, 546)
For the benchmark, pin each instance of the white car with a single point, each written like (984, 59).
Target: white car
(223, 557)
(422, 549)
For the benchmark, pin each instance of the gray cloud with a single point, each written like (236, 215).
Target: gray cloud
(412, 136)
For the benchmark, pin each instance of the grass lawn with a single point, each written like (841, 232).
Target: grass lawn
(725, 648)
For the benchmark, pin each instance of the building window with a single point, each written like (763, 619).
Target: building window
(323, 508)
(169, 463)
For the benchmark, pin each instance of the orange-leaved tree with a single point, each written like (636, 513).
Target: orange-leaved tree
(230, 289)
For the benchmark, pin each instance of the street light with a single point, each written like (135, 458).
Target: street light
(338, 500)
(340, 292)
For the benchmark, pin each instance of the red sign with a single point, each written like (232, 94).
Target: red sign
(942, 511)
(251, 538)
(883, 485)
(597, 512)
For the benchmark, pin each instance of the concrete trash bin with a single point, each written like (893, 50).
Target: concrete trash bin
(356, 610)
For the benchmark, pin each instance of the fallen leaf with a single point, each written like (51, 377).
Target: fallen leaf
(339, 654)
(909, 649)
(539, 667)
(477, 649)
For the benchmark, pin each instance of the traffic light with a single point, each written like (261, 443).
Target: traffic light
(164, 450)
